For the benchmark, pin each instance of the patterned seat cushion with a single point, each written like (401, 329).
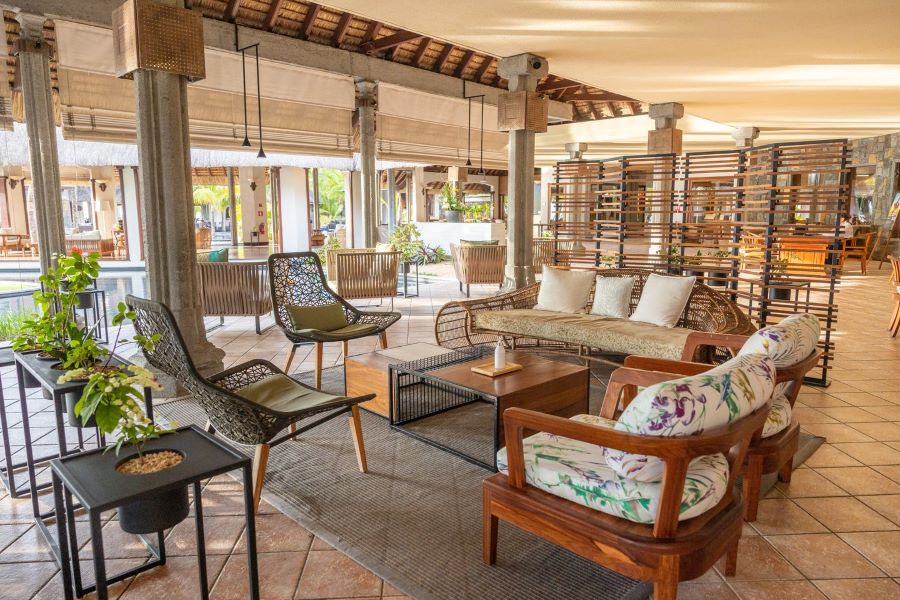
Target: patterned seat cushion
(787, 343)
(690, 406)
(607, 333)
(577, 471)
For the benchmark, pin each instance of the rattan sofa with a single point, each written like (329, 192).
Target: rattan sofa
(512, 317)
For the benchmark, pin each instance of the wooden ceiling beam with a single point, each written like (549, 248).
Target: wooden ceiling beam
(482, 68)
(599, 97)
(312, 11)
(442, 58)
(389, 41)
(231, 10)
(594, 112)
(272, 15)
(464, 63)
(420, 51)
(371, 31)
(558, 84)
(341, 31)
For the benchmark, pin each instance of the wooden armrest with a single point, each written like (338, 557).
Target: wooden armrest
(623, 383)
(681, 367)
(696, 339)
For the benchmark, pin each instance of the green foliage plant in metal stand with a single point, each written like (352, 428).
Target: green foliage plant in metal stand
(407, 240)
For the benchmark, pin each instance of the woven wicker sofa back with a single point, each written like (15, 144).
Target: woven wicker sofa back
(234, 289)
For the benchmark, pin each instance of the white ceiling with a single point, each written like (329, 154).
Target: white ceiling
(798, 69)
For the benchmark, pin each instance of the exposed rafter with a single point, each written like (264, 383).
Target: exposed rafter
(341, 30)
(442, 58)
(312, 11)
(557, 83)
(389, 41)
(598, 97)
(231, 10)
(272, 15)
(420, 51)
(371, 31)
(482, 68)
(464, 63)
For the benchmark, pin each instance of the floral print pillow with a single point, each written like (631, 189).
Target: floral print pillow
(788, 342)
(690, 406)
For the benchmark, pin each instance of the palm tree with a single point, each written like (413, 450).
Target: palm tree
(331, 195)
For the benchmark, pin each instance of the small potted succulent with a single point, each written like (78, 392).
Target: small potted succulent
(451, 203)
(113, 399)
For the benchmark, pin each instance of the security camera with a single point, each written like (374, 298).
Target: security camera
(536, 65)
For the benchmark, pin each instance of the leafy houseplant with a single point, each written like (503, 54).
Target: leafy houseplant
(451, 202)
(113, 399)
(322, 251)
(407, 240)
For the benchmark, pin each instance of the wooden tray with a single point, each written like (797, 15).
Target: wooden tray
(489, 370)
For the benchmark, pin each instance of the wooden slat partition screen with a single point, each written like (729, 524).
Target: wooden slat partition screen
(761, 224)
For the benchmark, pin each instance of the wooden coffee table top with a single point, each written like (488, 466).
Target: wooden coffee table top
(535, 371)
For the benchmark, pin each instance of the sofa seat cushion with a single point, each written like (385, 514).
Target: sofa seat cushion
(280, 392)
(779, 416)
(577, 471)
(606, 333)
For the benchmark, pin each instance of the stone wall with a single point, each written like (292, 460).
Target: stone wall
(883, 152)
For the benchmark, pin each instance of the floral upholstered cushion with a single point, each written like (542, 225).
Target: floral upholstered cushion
(577, 471)
(786, 343)
(690, 406)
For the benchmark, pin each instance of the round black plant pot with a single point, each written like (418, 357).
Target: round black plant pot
(154, 513)
(694, 273)
(717, 278)
(85, 300)
(779, 293)
(75, 420)
(454, 216)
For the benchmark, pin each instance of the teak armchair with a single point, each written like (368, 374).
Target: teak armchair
(665, 552)
(773, 454)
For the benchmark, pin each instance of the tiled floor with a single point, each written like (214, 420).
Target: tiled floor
(834, 532)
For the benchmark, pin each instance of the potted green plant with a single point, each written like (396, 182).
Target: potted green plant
(78, 272)
(407, 240)
(777, 272)
(113, 399)
(693, 264)
(451, 203)
(718, 276)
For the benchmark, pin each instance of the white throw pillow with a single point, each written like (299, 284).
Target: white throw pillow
(663, 300)
(612, 296)
(564, 291)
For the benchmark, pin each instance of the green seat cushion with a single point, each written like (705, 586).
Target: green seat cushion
(344, 333)
(479, 242)
(326, 317)
(280, 392)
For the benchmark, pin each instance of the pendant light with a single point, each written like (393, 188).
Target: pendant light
(481, 151)
(243, 51)
(246, 142)
(469, 135)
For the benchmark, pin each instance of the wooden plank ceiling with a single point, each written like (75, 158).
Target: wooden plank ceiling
(332, 27)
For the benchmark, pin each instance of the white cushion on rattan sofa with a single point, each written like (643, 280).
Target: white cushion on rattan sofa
(564, 291)
(663, 299)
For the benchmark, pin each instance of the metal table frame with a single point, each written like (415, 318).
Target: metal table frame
(414, 266)
(71, 473)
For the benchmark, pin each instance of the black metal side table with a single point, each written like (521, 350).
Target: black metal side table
(91, 477)
(405, 268)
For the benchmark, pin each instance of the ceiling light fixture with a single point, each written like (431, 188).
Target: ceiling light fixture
(469, 133)
(243, 51)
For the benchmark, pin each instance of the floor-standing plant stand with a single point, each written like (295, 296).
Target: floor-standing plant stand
(91, 477)
(406, 269)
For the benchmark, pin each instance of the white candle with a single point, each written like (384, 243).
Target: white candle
(499, 356)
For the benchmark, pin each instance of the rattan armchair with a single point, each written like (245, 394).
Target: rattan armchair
(240, 420)
(478, 264)
(297, 279)
(367, 274)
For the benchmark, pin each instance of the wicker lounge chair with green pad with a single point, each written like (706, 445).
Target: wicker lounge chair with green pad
(309, 312)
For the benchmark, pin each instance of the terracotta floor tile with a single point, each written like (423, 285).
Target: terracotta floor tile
(278, 576)
(860, 480)
(17, 582)
(845, 514)
(883, 432)
(221, 533)
(888, 413)
(858, 589)
(808, 415)
(278, 533)
(783, 516)
(889, 471)
(820, 399)
(777, 590)
(829, 456)
(29, 547)
(838, 432)
(882, 548)
(808, 483)
(176, 580)
(705, 591)
(851, 414)
(758, 560)
(330, 574)
(871, 453)
(861, 399)
(9, 533)
(821, 555)
(887, 505)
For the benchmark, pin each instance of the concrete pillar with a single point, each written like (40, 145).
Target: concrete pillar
(103, 189)
(547, 180)
(232, 205)
(33, 60)
(391, 201)
(294, 210)
(170, 247)
(356, 219)
(666, 138)
(366, 98)
(744, 136)
(522, 72)
(133, 233)
(252, 182)
(417, 201)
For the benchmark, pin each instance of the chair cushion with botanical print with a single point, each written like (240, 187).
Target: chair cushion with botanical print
(690, 406)
(787, 343)
(577, 471)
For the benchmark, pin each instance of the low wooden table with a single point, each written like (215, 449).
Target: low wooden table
(439, 384)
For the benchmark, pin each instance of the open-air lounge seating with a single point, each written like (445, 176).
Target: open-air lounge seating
(650, 495)
(366, 274)
(235, 289)
(512, 316)
(91, 243)
(477, 263)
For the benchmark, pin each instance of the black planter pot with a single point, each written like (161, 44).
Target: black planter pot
(693, 273)
(717, 278)
(154, 513)
(85, 300)
(454, 216)
(75, 420)
(779, 293)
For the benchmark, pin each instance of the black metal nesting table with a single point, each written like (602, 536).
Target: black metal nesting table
(92, 479)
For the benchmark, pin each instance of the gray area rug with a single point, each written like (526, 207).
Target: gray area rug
(415, 518)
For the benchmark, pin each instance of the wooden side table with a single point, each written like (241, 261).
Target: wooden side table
(92, 479)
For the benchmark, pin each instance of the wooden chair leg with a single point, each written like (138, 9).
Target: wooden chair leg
(490, 524)
(290, 358)
(345, 349)
(318, 375)
(786, 470)
(665, 587)
(382, 338)
(358, 443)
(752, 482)
(731, 560)
(260, 460)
